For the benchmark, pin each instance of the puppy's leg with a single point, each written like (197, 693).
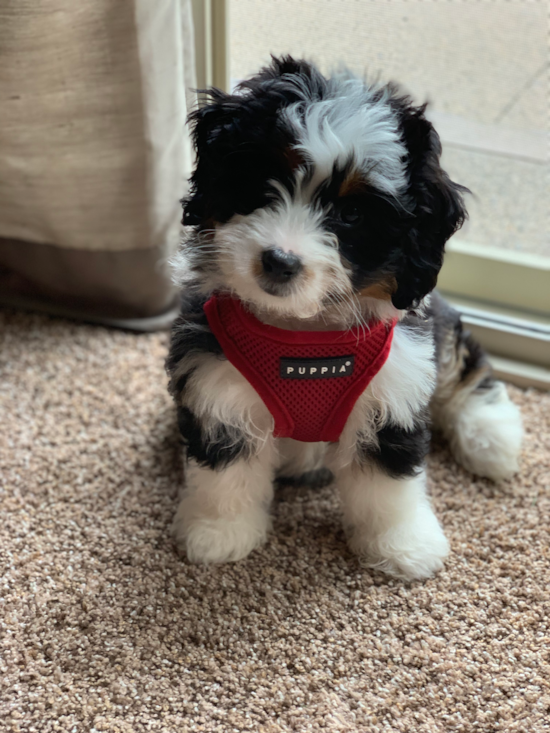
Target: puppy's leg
(388, 517)
(231, 455)
(224, 512)
(470, 407)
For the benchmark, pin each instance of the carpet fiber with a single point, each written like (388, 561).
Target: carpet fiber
(104, 628)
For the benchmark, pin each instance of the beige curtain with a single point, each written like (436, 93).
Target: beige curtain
(94, 153)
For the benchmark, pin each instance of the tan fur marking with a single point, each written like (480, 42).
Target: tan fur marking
(474, 377)
(294, 158)
(257, 268)
(382, 290)
(352, 184)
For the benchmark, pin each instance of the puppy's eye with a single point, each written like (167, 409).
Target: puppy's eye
(351, 214)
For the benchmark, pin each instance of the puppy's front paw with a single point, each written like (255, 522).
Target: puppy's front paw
(410, 551)
(221, 539)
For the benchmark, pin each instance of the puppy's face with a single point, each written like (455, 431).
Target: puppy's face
(314, 196)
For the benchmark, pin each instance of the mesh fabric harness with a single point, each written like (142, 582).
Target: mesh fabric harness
(308, 380)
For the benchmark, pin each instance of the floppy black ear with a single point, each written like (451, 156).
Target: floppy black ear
(236, 145)
(239, 142)
(211, 135)
(436, 205)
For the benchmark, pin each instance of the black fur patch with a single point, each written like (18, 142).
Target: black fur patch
(242, 144)
(218, 449)
(400, 452)
(435, 203)
(475, 357)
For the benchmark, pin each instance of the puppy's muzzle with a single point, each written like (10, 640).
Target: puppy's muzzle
(279, 268)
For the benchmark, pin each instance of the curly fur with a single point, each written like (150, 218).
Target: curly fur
(343, 178)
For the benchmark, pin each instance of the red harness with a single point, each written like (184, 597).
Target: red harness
(309, 380)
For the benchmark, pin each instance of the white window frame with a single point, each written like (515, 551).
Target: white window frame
(504, 298)
(517, 280)
(211, 21)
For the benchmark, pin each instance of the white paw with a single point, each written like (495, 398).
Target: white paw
(411, 550)
(488, 434)
(222, 539)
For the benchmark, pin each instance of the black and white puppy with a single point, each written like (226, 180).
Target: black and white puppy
(340, 183)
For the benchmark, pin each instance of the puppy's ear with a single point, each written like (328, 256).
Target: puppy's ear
(436, 205)
(208, 124)
(240, 144)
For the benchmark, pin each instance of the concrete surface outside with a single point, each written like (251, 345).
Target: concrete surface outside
(482, 64)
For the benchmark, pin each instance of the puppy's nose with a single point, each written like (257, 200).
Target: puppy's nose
(280, 266)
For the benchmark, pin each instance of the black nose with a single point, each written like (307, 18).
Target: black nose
(280, 266)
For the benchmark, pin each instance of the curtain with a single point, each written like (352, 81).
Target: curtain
(94, 154)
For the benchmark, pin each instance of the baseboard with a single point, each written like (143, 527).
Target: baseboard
(521, 374)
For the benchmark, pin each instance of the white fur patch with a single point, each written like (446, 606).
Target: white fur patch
(390, 522)
(221, 540)
(218, 393)
(484, 429)
(351, 124)
(397, 393)
(297, 458)
(293, 226)
(406, 382)
(223, 515)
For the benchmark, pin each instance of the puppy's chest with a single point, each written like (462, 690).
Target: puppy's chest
(309, 381)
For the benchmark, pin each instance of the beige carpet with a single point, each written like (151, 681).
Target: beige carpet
(104, 628)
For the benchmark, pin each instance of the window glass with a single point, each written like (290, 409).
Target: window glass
(483, 65)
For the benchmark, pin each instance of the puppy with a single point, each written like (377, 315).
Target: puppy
(308, 338)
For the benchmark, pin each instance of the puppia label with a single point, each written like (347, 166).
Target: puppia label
(337, 366)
